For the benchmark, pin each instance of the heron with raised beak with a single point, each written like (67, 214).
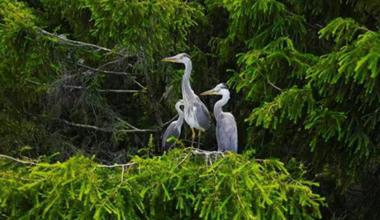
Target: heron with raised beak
(195, 112)
(226, 129)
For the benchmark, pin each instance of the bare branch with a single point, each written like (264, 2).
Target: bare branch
(168, 122)
(143, 87)
(33, 82)
(216, 153)
(34, 163)
(105, 90)
(87, 126)
(106, 71)
(119, 90)
(208, 153)
(64, 40)
(117, 165)
(129, 125)
(135, 130)
(270, 83)
(18, 160)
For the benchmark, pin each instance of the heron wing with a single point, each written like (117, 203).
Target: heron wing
(170, 131)
(226, 133)
(202, 114)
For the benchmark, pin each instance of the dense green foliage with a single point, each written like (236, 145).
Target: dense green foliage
(84, 77)
(193, 187)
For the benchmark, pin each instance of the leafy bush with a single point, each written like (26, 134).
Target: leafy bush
(180, 185)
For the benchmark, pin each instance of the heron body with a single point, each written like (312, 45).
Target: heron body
(226, 128)
(174, 129)
(197, 116)
(226, 132)
(195, 112)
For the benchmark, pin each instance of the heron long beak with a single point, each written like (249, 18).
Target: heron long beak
(169, 59)
(209, 92)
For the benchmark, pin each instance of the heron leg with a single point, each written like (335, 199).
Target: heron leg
(199, 138)
(192, 136)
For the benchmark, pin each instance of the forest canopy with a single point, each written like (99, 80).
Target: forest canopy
(82, 84)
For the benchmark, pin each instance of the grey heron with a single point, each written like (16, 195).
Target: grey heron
(174, 129)
(226, 129)
(195, 112)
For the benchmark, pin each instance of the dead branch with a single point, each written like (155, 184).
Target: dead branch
(64, 40)
(270, 83)
(35, 163)
(143, 87)
(135, 130)
(104, 90)
(207, 153)
(170, 121)
(106, 71)
(117, 165)
(18, 160)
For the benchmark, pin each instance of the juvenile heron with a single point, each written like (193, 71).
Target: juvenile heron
(174, 129)
(226, 129)
(195, 112)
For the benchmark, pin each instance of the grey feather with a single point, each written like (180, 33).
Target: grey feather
(202, 114)
(170, 131)
(174, 129)
(226, 133)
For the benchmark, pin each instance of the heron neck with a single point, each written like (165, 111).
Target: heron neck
(180, 119)
(187, 91)
(219, 104)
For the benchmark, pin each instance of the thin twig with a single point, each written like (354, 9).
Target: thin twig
(170, 121)
(17, 160)
(136, 130)
(106, 71)
(76, 43)
(208, 153)
(129, 125)
(139, 84)
(104, 90)
(34, 163)
(183, 159)
(115, 61)
(34, 82)
(270, 83)
(119, 90)
(117, 165)
(122, 174)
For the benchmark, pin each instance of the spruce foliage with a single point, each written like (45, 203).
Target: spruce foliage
(84, 77)
(180, 185)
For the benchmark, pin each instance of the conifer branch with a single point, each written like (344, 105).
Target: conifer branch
(192, 151)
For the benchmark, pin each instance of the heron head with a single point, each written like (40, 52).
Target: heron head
(179, 58)
(218, 90)
(180, 103)
(178, 106)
